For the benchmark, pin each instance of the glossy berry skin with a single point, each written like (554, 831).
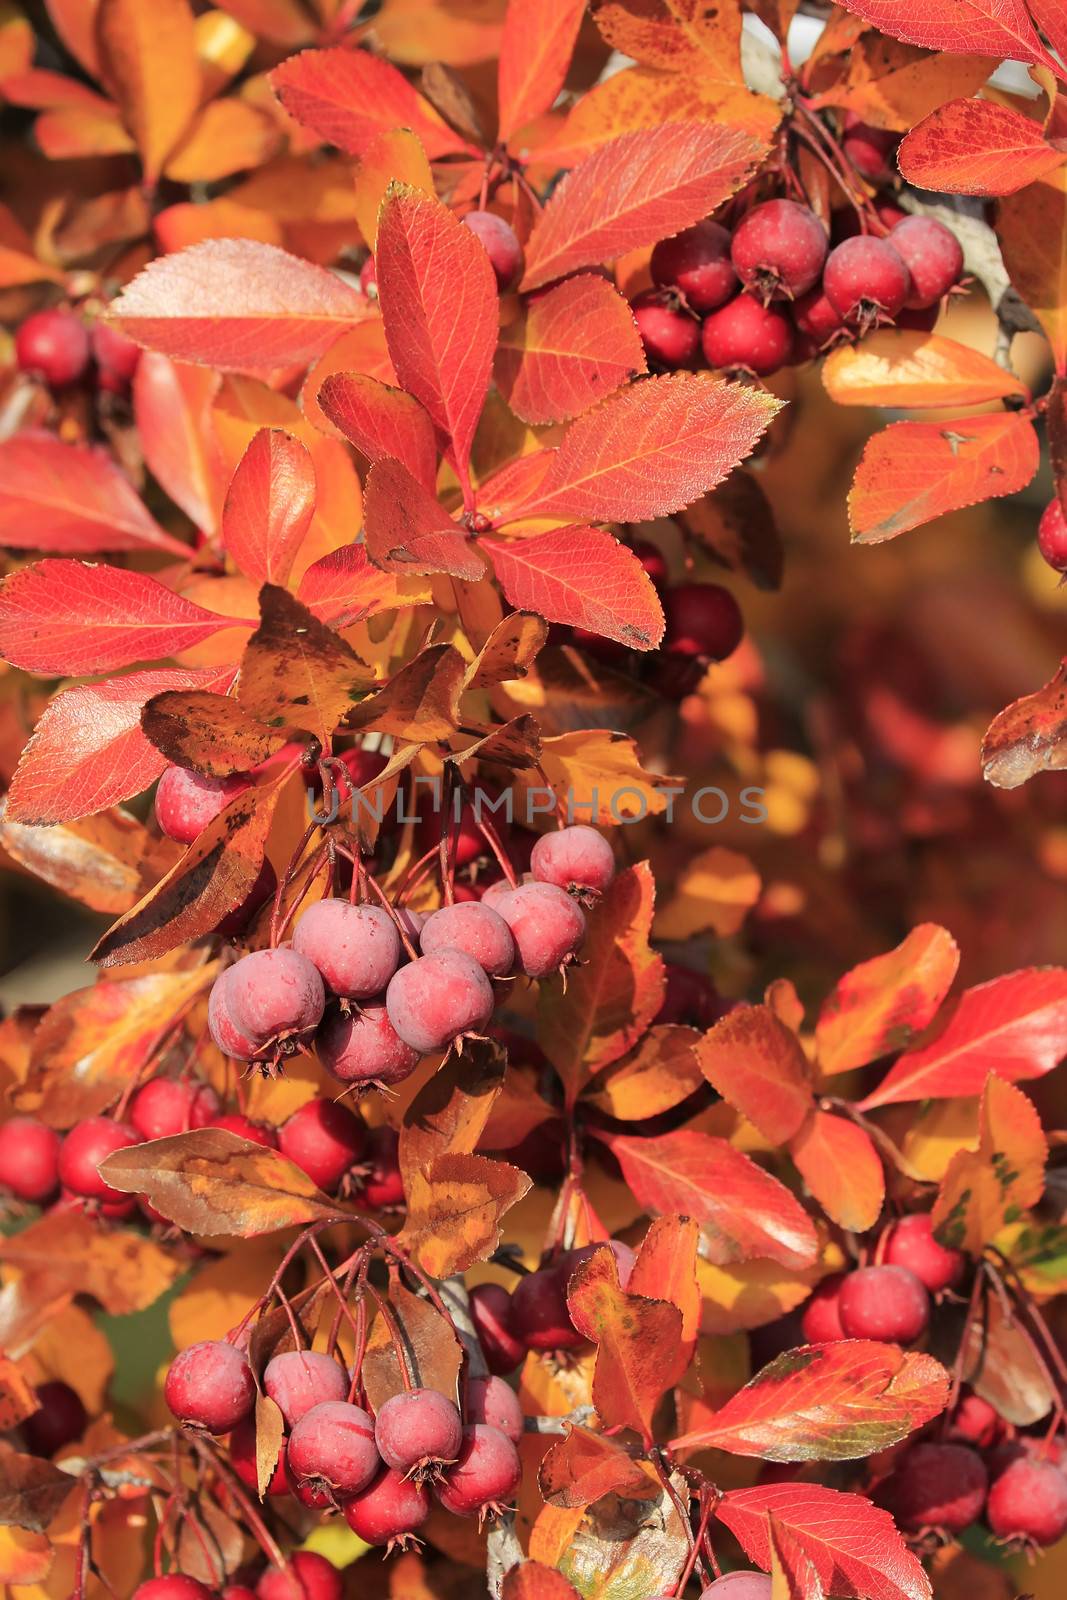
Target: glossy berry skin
(696, 263)
(310, 1577)
(886, 1303)
(911, 1243)
(210, 1385)
(245, 1128)
(296, 1380)
(746, 336)
(242, 1447)
(334, 1443)
(355, 948)
(501, 244)
(820, 1320)
(494, 1323)
(866, 280)
(670, 335)
(175, 1586)
(116, 358)
(739, 1586)
(324, 1139)
(274, 997)
(417, 1430)
(84, 1147)
(546, 924)
(363, 1048)
(53, 345)
(433, 1000)
(936, 1486)
(186, 802)
(485, 1477)
(225, 1033)
(933, 256)
(539, 1310)
(703, 619)
(165, 1106)
(494, 1402)
(382, 1187)
(1052, 536)
(60, 1419)
(869, 149)
(778, 249)
(29, 1159)
(475, 929)
(388, 1510)
(575, 858)
(1028, 1500)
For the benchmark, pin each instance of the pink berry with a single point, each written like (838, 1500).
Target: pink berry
(494, 1402)
(29, 1159)
(165, 1106)
(363, 1048)
(389, 1511)
(814, 316)
(501, 244)
(175, 1586)
(739, 1586)
(696, 263)
(296, 1380)
(575, 858)
(936, 1486)
(778, 249)
(933, 256)
(275, 998)
(669, 333)
(476, 930)
(746, 336)
(820, 1321)
(546, 924)
(245, 1128)
(54, 345)
(242, 1446)
(356, 948)
(324, 1139)
(436, 999)
(211, 1385)
(382, 1187)
(494, 1323)
(225, 1033)
(866, 280)
(186, 802)
(912, 1244)
(703, 619)
(1052, 536)
(886, 1303)
(116, 358)
(417, 1431)
(60, 1419)
(485, 1477)
(975, 1421)
(84, 1148)
(333, 1444)
(310, 1577)
(1029, 1501)
(869, 149)
(539, 1309)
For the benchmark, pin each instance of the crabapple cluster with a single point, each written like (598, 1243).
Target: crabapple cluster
(60, 349)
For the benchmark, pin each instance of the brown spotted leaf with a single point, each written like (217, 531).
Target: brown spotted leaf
(1029, 736)
(450, 1111)
(31, 1490)
(985, 1189)
(455, 1209)
(123, 1270)
(211, 733)
(880, 1005)
(432, 1352)
(296, 672)
(419, 702)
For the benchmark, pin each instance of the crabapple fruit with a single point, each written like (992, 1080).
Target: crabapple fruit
(245, 1128)
(475, 929)
(334, 1443)
(116, 358)
(689, 998)
(417, 1431)
(539, 1309)
(436, 999)
(242, 1446)
(485, 1476)
(388, 1510)
(382, 1185)
(1028, 1500)
(225, 1033)
(745, 335)
(165, 1106)
(888, 1303)
(53, 345)
(355, 948)
(866, 280)
(546, 924)
(466, 842)
(29, 1159)
(275, 997)
(703, 619)
(60, 1418)
(210, 1384)
(869, 149)
(911, 1243)
(310, 1577)
(936, 1486)
(739, 1586)
(933, 256)
(975, 1421)
(575, 858)
(175, 1586)
(652, 559)
(296, 1380)
(83, 1149)
(1052, 536)
(324, 1139)
(697, 263)
(669, 333)
(814, 316)
(778, 249)
(494, 1402)
(501, 244)
(362, 1047)
(820, 1320)
(186, 802)
(494, 1323)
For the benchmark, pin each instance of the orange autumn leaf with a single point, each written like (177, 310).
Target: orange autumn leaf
(756, 1063)
(841, 1166)
(879, 1006)
(985, 1189)
(894, 368)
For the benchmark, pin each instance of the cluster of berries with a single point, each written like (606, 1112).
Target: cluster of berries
(774, 292)
(56, 346)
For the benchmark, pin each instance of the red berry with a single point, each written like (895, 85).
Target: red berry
(433, 1000)
(389, 1510)
(703, 619)
(60, 1418)
(85, 1146)
(116, 358)
(746, 335)
(546, 924)
(310, 1577)
(324, 1139)
(869, 149)
(539, 1309)
(29, 1159)
(494, 1323)
(54, 345)
(274, 998)
(652, 559)
(475, 929)
(485, 1477)
(466, 840)
(417, 1431)
(936, 1486)
(814, 316)
(501, 244)
(778, 249)
(820, 1321)
(224, 1031)
(669, 333)
(1029, 1501)
(296, 1380)
(382, 1188)
(242, 1447)
(866, 280)
(333, 1445)
(210, 1384)
(1052, 536)
(975, 1421)
(187, 801)
(739, 1586)
(690, 998)
(355, 948)
(245, 1128)
(494, 1402)
(696, 263)
(363, 1048)
(238, 1591)
(886, 1303)
(574, 858)
(368, 279)
(175, 1586)
(166, 1106)
(933, 256)
(912, 1244)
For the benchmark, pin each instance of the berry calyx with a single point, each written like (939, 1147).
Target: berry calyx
(389, 1511)
(60, 1418)
(437, 999)
(669, 333)
(1028, 1502)
(211, 1386)
(697, 264)
(242, 1447)
(363, 1048)
(887, 1303)
(29, 1159)
(494, 1323)
(820, 1320)
(332, 1448)
(1052, 536)
(911, 1243)
(703, 620)
(778, 249)
(746, 336)
(418, 1432)
(174, 1586)
(501, 244)
(296, 1380)
(933, 256)
(309, 1577)
(186, 802)
(940, 1486)
(85, 1147)
(494, 1402)
(577, 859)
(476, 930)
(166, 1106)
(484, 1478)
(546, 924)
(355, 948)
(245, 1128)
(324, 1139)
(539, 1310)
(866, 281)
(53, 345)
(275, 998)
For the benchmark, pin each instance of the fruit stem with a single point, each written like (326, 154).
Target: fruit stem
(258, 1528)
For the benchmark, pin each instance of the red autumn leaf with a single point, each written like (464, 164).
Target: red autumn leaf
(841, 1167)
(73, 617)
(853, 1545)
(438, 296)
(408, 530)
(985, 1189)
(577, 343)
(348, 97)
(88, 751)
(666, 1269)
(269, 506)
(976, 147)
(381, 421)
(344, 586)
(1015, 1026)
(791, 1566)
(237, 303)
(1051, 18)
(533, 1580)
(583, 1466)
(756, 1063)
(828, 1402)
(582, 576)
(634, 190)
(968, 27)
(72, 498)
(912, 472)
(880, 1005)
(1029, 736)
(171, 405)
(535, 52)
(744, 1212)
